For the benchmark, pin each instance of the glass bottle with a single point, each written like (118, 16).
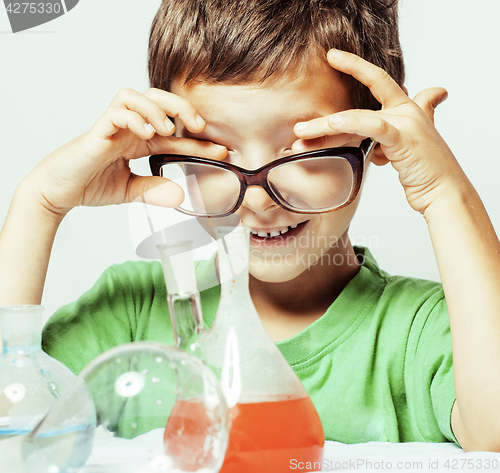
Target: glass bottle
(32, 384)
(273, 418)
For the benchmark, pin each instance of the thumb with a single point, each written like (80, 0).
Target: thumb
(155, 191)
(429, 99)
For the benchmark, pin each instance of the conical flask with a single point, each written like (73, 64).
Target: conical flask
(273, 418)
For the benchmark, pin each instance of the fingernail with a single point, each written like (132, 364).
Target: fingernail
(301, 126)
(199, 120)
(334, 120)
(335, 53)
(170, 126)
(443, 98)
(219, 146)
(149, 128)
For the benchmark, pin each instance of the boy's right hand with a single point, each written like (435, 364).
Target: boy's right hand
(93, 169)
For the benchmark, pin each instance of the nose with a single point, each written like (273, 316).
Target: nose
(258, 200)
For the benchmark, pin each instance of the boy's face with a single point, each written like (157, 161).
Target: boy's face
(255, 123)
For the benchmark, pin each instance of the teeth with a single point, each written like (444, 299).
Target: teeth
(273, 233)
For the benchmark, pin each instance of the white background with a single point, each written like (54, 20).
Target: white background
(56, 79)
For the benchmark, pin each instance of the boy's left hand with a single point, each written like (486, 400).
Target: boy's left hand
(404, 129)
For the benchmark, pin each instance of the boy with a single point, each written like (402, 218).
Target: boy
(248, 83)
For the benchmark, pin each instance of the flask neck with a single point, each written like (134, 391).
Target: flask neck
(235, 281)
(233, 268)
(183, 297)
(187, 320)
(21, 327)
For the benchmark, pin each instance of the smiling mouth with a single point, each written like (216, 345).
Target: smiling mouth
(278, 233)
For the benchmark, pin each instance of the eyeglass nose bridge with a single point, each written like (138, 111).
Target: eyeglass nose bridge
(255, 178)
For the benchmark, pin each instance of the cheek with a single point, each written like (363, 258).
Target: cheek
(335, 224)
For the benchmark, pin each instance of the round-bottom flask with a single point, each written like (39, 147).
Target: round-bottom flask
(131, 390)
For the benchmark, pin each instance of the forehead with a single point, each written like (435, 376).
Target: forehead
(316, 91)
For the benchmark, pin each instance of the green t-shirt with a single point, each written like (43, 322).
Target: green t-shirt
(378, 364)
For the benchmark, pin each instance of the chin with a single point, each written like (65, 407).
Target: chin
(275, 272)
(265, 275)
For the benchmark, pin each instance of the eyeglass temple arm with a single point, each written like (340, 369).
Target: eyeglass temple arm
(367, 145)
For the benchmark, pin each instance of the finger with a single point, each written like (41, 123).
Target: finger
(429, 99)
(364, 123)
(176, 106)
(335, 141)
(186, 146)
(382, 86)
(114, 119)
(155, 191)
(146, 107)
(318, 128)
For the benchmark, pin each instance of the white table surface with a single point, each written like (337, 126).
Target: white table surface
(115, 455)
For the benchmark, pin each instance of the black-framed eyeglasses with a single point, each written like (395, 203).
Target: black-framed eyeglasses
(308, 183)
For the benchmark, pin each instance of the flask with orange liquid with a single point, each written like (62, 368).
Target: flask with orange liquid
(273, 418)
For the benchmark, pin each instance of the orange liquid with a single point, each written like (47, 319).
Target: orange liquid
(265, 436)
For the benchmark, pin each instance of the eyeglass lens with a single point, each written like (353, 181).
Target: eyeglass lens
(311, 184)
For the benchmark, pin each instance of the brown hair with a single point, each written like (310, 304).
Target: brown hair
(244, 41)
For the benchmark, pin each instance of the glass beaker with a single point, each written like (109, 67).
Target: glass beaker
(273, 417)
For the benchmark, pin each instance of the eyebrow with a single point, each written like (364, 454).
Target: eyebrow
(286, 122)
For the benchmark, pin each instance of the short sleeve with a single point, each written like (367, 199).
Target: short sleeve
(429, 381)
(101, 318)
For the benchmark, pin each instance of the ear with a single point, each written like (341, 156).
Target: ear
(377, 156)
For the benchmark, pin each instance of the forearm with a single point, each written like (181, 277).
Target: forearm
(26, 241)
(468, 256)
